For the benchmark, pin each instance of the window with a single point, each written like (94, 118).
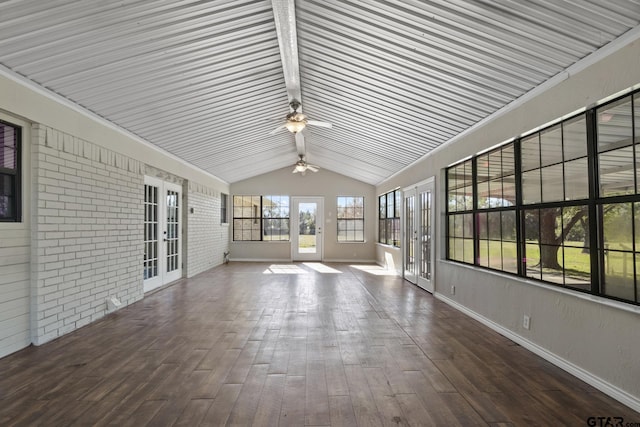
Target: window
(496, 213)
(350, 218)
(389, 206)
(9, 173)
(257, 218)
(560, 205)
(460, 218)
(618, 204)
(275, 218)
(224, 203)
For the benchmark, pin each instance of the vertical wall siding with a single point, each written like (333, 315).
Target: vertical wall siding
(14, 289)
(88, 221)
(15, 263)
(207, 239)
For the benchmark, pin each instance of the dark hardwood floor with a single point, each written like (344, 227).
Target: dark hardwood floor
(296, 344)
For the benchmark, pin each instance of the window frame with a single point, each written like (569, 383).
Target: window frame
(354, 219)
(389, 226)
(16, 174)
(258, 217)
(224, 209)
(581, 212)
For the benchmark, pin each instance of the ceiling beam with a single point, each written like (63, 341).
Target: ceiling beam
(284, 13)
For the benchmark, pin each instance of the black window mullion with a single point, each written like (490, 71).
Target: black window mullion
(520, 243)
(474, 210)
(448, 214)
(596, 236)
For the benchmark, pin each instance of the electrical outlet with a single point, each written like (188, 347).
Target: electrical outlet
(453, 289)
(526, 322)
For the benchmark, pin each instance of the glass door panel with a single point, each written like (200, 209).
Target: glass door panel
(306, 236)
(425, 236)
(410, 235)
(162, 239)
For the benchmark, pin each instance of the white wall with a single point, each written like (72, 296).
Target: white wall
(207, 238)
(592, 337)
(324, 183)
(88, 232)
(80, 241)
(15, 265)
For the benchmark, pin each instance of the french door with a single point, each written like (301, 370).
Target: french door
(306, 228)
(162, 233)
(418, 253)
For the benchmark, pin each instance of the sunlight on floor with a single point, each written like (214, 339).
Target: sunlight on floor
(376, 270)
(297, 269)
(284, 269)
(321, 268)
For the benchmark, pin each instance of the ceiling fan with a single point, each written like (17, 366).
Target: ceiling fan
(302, 166)
(296, 122)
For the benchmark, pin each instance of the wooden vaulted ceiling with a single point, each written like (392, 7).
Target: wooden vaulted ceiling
(204, 79)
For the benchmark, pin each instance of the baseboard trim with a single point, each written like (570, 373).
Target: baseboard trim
(617, 393)
(352, 261)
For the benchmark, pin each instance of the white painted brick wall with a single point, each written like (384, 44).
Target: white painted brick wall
(87, 232)
(207, 239)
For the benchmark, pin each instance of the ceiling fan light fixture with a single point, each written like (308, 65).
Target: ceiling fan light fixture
(301, 167)
(295, 126)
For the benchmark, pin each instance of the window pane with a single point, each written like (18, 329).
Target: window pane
(532, 260)
(7, 197)
(617, 231)
(619, 276)
(510, 257)
(495, 193)
(530, 149)
(508, 223)
(483, 253)
(483, 195)
(577, 265)
(483, 227)
(494, 224)
(482, 165)
(382, 207)
(574, 134)
(576, 179)
(509, 190)
(578, 234)
(8, 147)
(616, 172)
(467, 225)
(551, 261)
(614, 125)
(390, 205)
(552, 183)
(508, 160)
(495, 254)
(531, 186)
(551, 146)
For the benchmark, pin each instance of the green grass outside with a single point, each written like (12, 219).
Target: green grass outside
(306, 241)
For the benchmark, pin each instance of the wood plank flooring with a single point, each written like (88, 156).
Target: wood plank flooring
(291, 345)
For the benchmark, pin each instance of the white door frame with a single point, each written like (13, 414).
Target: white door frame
(318, 255)
(424, 279)
(410, 228)
(164, 236)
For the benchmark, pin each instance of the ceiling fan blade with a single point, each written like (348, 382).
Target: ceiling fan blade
(276, 130)
(313, 168)
(295, 170)
(319, 124)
